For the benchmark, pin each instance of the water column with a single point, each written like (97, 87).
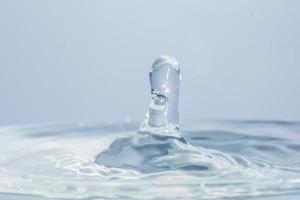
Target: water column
(162, 117)
(159, 134)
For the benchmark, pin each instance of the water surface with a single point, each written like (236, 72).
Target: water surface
(222, 159)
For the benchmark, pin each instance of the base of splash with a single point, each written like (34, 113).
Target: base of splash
(148, 153)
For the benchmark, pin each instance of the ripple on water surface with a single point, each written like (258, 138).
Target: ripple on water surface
(214, 160)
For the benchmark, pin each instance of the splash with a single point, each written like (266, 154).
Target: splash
(208, 160)
(159, 144)
(163, 116)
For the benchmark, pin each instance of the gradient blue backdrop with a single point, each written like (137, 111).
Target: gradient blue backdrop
(74, 60)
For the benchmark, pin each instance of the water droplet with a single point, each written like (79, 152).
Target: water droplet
(128, 119)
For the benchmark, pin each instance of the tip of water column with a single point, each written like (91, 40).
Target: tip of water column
(165, 61)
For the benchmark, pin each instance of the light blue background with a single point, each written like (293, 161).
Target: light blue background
(71, 60)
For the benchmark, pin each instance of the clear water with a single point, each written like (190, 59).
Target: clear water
(207, 160)
(163, 115)
(223, 160)
(159, 145)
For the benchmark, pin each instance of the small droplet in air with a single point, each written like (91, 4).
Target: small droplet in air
(253, 14)
(128, 120)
